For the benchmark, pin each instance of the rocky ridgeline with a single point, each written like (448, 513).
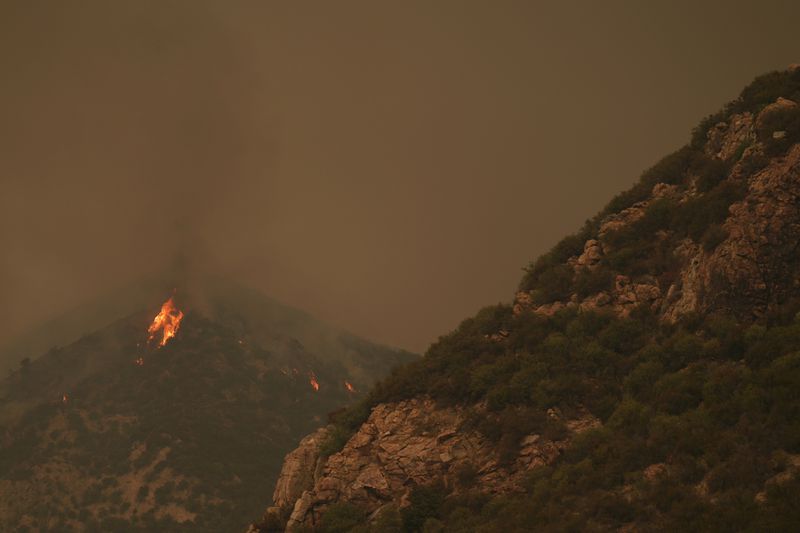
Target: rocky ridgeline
(403, 445)
(753, 268)
(416, 442)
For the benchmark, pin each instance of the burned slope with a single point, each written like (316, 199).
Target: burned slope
(115, 433)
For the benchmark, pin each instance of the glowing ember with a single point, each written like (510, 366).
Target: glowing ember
(167, 321)
(64, 398)
(313, 381)
(139, 361)
(349, 387)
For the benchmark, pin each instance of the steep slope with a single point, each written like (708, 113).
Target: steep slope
(643, 378)
(114, 433)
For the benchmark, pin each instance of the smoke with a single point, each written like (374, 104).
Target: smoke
(129, 134)
(387, 167)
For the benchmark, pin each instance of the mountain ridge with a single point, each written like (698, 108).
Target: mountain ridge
(114, 433)
(670, 318)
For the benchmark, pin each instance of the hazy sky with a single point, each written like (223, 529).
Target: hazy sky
(387, 166)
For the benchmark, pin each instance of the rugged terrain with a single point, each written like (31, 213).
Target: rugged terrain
(644, 377)
(114, 433)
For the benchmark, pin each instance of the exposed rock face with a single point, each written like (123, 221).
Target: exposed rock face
(780, 104)
(403, 445)
(756, 266)
(749, 272)
(592, 254)
(297, 473)
(725, 138)
(626, 217)
(685, 296)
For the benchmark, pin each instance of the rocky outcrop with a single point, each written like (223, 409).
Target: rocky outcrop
(755, 267)
(624, 218)
(591, 256)
(779, 105)
(726, 138)
(298, 470)
(751, 270)
(751, 265)
(404, 445)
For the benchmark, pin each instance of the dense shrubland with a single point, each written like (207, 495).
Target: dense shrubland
(712, 399)
(710, 404)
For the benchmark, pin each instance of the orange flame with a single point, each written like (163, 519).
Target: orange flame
(64, 398)
(349, 387)
(313, 381)
(168, 320)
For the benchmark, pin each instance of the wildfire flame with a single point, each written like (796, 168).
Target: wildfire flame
(64, 398)
(313, 380)
(167, 321)
(349, 387)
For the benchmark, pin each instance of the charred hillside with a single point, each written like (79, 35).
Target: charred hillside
(644, 377)
(177, 423)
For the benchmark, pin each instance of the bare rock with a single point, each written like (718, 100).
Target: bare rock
(626, 217)
(627, 295)
(781, 104)
(413, 443)
(549, 309)
(522, 302)
(664, 190)
(725, 138)
(592, 254)
(754, 268)
(596, 302)
(297, 473)
(655, 471)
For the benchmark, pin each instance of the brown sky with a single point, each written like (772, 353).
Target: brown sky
(389, 167)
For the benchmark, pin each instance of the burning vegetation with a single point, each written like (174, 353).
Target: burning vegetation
(312, 378)
(349, 387)
(166, 323)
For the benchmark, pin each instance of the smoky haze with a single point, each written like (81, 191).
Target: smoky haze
(388, 168)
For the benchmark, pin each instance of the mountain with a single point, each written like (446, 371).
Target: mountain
(67, 327)
(644, 378)
(115, 432)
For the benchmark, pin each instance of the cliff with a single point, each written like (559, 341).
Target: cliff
(403, 445)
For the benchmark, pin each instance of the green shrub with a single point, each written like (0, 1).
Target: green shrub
(340, 517)
(779, 130)
(554, 284)
(425, 504)
(670, 169)
(710, 171)
(714, 235)
(700, 132)
(588, 282)
(765, 89)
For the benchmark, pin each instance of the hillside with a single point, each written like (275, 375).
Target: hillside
(116, 433)
(644, 378)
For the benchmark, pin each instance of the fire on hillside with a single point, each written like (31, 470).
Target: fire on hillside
(167, 322)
